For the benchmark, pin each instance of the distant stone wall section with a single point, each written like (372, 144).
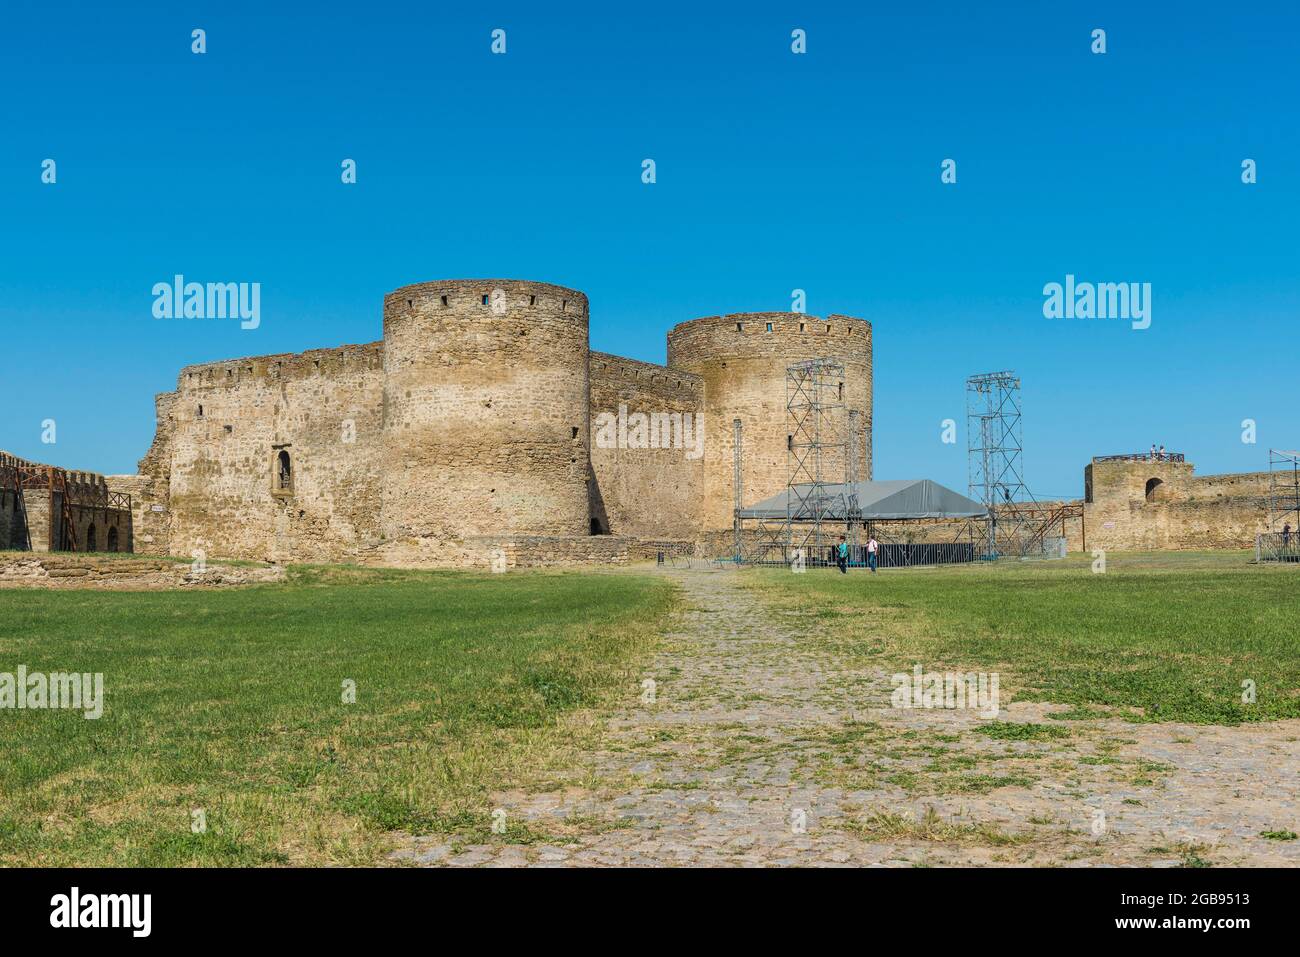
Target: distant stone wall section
(48, 508)
(646, 491)
(1164, 505)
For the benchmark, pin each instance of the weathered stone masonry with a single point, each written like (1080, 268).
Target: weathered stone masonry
(467, 435)
(44, 508)
(1162, 504)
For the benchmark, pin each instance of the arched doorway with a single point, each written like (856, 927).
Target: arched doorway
(1154, 493)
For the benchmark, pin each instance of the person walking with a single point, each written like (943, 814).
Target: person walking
(1162, 453)
(842, 556)
(871, 553)
(1153, 451)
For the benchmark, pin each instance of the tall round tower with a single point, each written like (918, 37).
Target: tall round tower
(743, 360)
(486, 414)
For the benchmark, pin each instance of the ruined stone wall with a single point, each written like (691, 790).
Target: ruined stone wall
(1163, 505)
(96, 528)
(640, 491)
(486, 415)
(96, 524)
(499, 552)
(218, 449)
(742, 359)
(149, 519)
(67, 570)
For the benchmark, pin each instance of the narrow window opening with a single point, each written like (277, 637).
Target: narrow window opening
(485, 299)
(444, 300)
(532, 300)
(564, 305)
(740, 327)
(769, 327)
(575, 432)
(200, 411)
(112, 539)
(803, 327)
(283, 472)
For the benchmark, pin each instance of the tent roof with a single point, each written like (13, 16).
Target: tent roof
(879, 501)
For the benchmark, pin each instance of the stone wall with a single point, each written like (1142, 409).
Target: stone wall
(474, 419)
(646, 491)
(68, 570)
(500, 552)
(149, 519)
(1164, 505)
(742, 359)
(217, 457)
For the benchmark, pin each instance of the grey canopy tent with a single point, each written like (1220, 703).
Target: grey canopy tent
(894, 500)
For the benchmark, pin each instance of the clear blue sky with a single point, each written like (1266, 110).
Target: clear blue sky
(775, 172)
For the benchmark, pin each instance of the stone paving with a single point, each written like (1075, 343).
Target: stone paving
(759, 750)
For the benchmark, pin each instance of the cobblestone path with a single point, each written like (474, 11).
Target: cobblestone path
(758, 750)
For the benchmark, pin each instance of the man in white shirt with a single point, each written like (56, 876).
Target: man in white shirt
(871, 553)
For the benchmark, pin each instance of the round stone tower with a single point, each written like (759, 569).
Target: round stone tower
(743, 360)
(485, 424)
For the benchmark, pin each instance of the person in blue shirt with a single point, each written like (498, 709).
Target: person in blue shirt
(842, 556)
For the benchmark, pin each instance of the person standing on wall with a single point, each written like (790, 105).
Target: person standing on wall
(842, 556)
(871, 553)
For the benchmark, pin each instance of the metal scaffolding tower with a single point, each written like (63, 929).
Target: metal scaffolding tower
(1283, 490)
(995, 463)
(820, 453)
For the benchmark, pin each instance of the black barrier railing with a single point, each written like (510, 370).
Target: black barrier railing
(892, 555)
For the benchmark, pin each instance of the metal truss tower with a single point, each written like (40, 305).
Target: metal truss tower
(1283, 490)
(820, 453)
(995, 463)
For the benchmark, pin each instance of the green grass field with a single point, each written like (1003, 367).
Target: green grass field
(1158, 636)
(231, 702)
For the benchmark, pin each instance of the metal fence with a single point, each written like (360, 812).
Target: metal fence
(1277, 547)
(888, 555)
(1156, 456)
(684, 560)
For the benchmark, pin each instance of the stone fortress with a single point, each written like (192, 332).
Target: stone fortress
(481, 430)
(470, 434)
